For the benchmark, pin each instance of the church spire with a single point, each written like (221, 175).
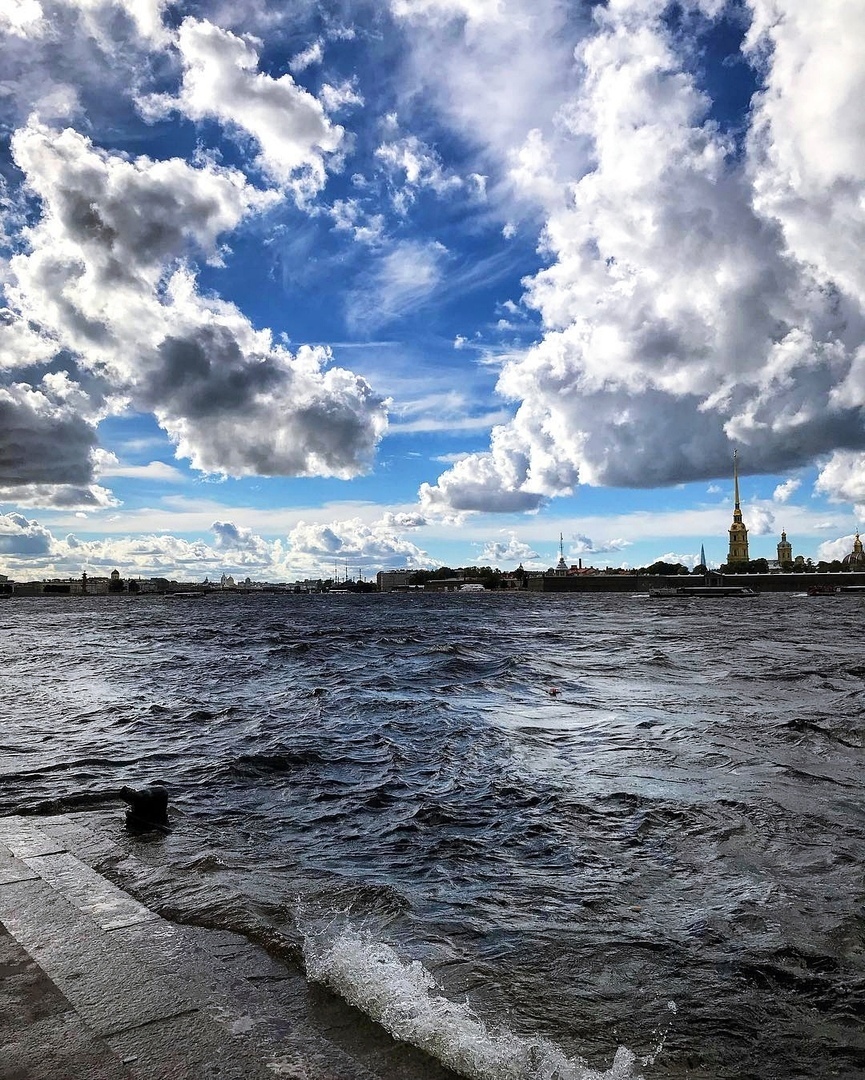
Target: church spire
(738, 553)
(561, 566)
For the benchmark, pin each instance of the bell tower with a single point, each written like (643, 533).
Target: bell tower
(785, 550)
(738, 553)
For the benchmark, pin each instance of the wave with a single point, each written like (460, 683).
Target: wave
(405, 1000)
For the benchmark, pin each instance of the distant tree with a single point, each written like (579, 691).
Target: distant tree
(758, 566)
(442, 573)
(665, 568)
(420, 577)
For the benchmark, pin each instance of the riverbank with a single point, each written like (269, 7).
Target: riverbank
(94, 985)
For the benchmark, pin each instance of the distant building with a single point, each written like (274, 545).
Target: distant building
(785, 550)
(561, 565)
(856, 559)
(738, 553)
(386, 580)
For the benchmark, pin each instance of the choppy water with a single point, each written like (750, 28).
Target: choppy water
(657, 870)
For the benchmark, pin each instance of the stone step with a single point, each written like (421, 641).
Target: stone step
(144, 999)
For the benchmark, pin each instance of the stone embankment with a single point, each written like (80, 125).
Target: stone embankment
(96, 986)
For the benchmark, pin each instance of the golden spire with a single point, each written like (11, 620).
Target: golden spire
(738, 553)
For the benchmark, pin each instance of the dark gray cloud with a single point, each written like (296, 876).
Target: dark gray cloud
(42, 442)
(105, 276)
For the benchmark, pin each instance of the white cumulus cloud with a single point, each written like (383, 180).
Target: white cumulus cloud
(683, 313)
(783, 491)
(221, 81)
(107, 277)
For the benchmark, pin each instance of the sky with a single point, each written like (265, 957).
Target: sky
(308, 289)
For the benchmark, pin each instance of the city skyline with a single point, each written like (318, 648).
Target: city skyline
(427, 283)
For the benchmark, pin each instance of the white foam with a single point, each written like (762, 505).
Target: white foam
(403, 997)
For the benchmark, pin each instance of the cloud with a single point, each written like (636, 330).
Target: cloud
(783, 491)
(319, 546)
(682, 313)
(512, 552)
(313, 54)
(349, 216)
(673, 557)
(158, 471)
(18, 536)
(343, 96)
(807, 139)
(402, 280)
(491, 482)
(22, 346)
(22, 18)
(760, 520)
(106, 277)
(830, 550)
(311, 549)
(402, 521)
(473, 11)
(35, 425)
(842, 477)
(59, 496)
(75, 58)
(28, 551)
(496, 70)
(579, 544)
(221, 81)
(415, 165)
(237, 539)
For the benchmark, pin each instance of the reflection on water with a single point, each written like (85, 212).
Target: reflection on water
(663, 856)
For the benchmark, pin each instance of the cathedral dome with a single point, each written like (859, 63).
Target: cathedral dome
(856, 559)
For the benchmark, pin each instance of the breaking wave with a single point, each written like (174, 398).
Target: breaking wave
(404, 998)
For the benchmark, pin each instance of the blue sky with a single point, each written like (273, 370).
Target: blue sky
(296, 287)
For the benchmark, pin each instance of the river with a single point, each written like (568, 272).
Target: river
(566, 834)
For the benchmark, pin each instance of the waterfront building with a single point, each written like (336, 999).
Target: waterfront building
(738, 553)
(386, 580)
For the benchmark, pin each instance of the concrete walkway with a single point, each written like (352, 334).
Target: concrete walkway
(96, 986)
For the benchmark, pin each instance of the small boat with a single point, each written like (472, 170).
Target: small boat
(823, 590)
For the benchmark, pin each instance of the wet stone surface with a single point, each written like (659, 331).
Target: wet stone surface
(96, 986)
(41, 1036)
